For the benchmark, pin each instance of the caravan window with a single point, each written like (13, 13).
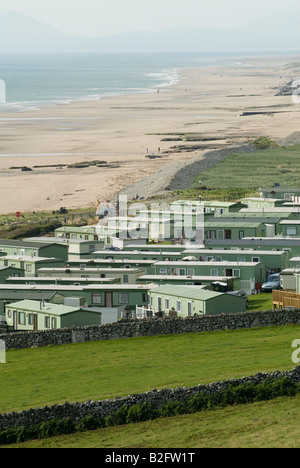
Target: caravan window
(97, 298)
(21, 318)
(124, 298)
(190, 272)
(291, 231)
(163, 271)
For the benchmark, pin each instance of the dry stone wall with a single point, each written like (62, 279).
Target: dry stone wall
(151, 327)
(136, 328)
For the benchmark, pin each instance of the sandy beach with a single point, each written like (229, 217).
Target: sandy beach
(125, 133)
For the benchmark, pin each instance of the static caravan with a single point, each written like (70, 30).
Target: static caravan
(30, 265)
(290, 228)
(289, 244)
(22, 248)
(39, 315)
(250, 273)
(10, 272)
(122, 275)
(14, 294)
(240, 227)
(209, 282)
(88, 233)
(278, 192)
(112, 296)
(73, 281)
(136, 255)
(288, 279)
(262, 204)
(187, 301)
(274, 260)
(177, 248)
(147, 265)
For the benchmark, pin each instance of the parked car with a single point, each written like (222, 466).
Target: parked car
(273, 282)
(240, 293)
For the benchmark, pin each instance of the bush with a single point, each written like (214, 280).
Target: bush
(141, 412)
(264, 143)
(120, 417)
(56, 427)
(90, 423)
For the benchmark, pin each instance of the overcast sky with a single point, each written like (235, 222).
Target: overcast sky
(102, 17)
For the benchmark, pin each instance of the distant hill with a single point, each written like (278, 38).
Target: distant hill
(21, 33)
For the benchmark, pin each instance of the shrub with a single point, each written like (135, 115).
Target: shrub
(120, 416)
(264, 143)
(141, 412)
(90, 423)
(56, 427)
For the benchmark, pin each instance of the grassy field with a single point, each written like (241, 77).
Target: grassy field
(261, 301)
(97, 370)
(250, 171)
(271, 424)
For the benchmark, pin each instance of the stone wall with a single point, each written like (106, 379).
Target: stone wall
(151, 327)
(136, 328)
(104, 408)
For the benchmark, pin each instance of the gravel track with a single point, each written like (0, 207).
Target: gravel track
(179, 175)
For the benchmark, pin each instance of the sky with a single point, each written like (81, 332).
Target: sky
(104, 17)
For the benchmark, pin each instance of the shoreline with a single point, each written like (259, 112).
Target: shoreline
(32, 107)
(137, 134)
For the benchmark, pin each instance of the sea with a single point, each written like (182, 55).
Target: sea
(33, 81)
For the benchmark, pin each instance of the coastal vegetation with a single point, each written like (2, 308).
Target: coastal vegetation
(40, 223)
(263, 143)
(254, 170)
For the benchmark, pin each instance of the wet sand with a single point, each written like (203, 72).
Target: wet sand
(123, 131)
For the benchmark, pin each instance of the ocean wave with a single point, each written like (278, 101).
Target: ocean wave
(161, 79)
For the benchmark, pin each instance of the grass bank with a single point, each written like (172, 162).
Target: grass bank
(254, 170)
